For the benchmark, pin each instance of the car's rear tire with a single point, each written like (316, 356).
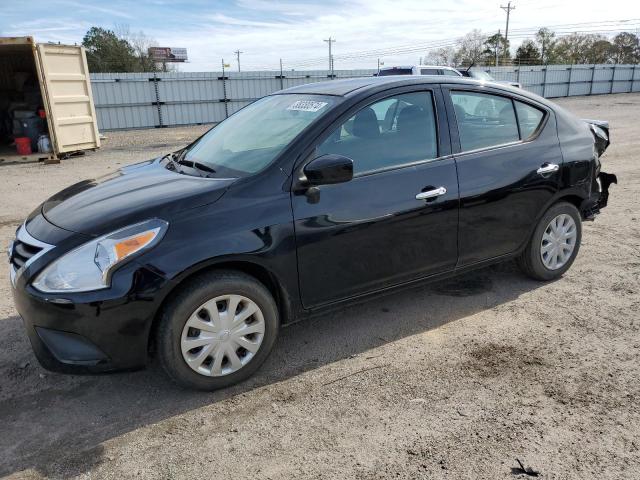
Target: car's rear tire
(554, 244)
(227, 347)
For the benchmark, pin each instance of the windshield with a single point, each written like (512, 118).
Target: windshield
(250, 140)
(480, 75)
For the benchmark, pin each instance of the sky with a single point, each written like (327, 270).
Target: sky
(294, 30)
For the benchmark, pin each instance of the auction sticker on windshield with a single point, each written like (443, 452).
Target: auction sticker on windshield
(306, 106)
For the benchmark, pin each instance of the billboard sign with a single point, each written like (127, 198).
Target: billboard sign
(168, 54)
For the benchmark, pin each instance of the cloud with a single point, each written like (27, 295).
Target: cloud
(267, 30)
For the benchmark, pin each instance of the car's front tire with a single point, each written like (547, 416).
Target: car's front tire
(217, 330)
(554, 244)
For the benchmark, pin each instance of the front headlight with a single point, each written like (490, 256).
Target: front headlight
(89, 266)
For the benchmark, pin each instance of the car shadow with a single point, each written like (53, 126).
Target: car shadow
(56, 423)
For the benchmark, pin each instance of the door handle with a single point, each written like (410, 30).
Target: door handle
(547, 168)
(436, 192)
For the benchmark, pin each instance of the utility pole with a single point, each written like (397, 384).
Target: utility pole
(330, 41)
(497, 44)
(238, 52)
(507, 9)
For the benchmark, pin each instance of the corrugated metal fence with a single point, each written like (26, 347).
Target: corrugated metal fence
(143, 100)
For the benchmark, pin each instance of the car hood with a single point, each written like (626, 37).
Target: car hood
(132, 194)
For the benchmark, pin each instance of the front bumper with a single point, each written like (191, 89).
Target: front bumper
(90, 332)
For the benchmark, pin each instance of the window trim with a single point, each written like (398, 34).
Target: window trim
(439, 113)
(449, 89)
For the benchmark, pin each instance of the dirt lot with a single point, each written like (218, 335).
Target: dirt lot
(454, 380)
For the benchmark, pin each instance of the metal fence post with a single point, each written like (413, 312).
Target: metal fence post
(593, 76)
(544, 82)
(158, 104)
(613, 77)
(224, 92)
(633, 78)
(569, 84)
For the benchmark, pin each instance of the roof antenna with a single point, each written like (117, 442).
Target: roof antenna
(473, 62)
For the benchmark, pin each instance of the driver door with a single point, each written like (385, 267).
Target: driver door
(386, 226)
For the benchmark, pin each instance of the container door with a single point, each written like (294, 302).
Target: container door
(67, 97)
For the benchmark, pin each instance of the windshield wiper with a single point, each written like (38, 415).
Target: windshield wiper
(203, 170)
(178, 159)
(175, 166)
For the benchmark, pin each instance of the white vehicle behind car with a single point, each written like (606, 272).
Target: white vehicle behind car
(476, 74)
(482, 75)
(419, 70)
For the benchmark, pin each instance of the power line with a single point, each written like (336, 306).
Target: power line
(600, 27)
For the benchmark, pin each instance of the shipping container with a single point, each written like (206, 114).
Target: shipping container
(45, 92)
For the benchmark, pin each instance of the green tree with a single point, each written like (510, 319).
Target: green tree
(576, 48)
(626, 48)
(601, 51)
(546, 41)
(106, 52)
(496, 46)
(528, 54)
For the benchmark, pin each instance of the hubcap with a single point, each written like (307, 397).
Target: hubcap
(558, 241)
(222, 335)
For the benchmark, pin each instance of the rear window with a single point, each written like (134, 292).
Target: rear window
(529, 119)
(484, 120)
(395, 71)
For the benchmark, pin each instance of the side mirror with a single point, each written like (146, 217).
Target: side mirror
(328, 169)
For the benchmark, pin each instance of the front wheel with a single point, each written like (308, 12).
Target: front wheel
(217, 330)
(554, 244)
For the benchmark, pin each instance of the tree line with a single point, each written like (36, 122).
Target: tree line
(544, 48)
(118, 51)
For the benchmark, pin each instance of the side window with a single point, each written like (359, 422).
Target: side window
(484, 120)
(529, 119)
(429, 71)
(450, 73)
(391, 132)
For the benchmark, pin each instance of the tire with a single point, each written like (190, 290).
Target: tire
(538, 265)
(204, 302)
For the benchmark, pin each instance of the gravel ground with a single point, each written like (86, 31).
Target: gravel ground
(454, 380)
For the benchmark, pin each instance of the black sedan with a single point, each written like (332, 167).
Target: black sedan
(304, 200)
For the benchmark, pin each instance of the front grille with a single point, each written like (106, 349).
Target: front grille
(22, 252)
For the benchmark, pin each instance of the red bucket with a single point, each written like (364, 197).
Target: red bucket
(23, 145)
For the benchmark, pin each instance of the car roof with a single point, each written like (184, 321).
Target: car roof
(346, 87)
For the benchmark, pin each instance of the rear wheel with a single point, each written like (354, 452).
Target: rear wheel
(554, 244)
(217, 331)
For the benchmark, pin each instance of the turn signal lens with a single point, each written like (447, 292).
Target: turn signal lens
(133, 244)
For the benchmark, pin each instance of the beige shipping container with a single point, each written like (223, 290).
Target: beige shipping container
(55, 77)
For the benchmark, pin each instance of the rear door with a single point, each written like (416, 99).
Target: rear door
(508, 158)
(397, 219)
(71, 115)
